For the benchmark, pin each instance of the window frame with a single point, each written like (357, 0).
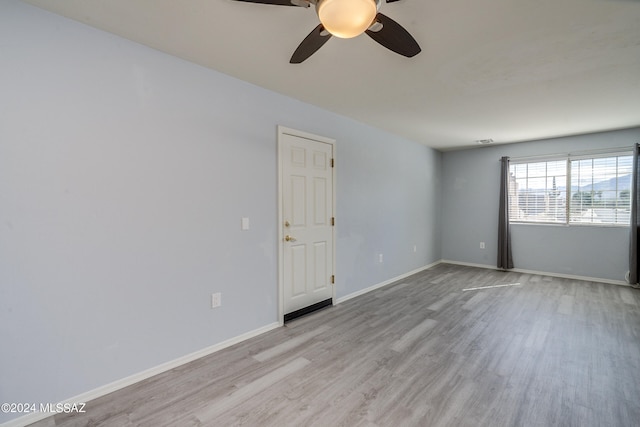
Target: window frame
(568, 159)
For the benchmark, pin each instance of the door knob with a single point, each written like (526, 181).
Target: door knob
(289, 238)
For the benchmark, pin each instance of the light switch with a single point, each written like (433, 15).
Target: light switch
(245, 223)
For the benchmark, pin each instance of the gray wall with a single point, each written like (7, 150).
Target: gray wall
(470, 214)
(393, 200)
(124, 174)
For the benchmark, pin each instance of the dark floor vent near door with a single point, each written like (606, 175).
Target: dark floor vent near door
(306, 310)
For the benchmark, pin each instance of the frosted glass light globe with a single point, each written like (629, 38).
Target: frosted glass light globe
(346, 18)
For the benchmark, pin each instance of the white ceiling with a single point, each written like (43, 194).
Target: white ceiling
(511, 70)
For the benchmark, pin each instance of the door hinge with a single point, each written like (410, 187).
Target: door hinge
(333, 279)
(333, 220)
(331, 162)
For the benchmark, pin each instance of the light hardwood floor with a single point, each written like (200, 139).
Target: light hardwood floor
(420, 352)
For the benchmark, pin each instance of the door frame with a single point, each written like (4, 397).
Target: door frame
(282, 130)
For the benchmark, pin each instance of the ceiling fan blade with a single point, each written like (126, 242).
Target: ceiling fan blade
(393, 36)
(303, 3)
(310, 44)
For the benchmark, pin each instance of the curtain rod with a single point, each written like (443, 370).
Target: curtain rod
(612, 150)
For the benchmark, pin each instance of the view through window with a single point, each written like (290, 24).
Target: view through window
(573, 190)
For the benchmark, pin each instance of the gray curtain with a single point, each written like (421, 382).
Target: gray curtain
(505, 259)
(633, 238)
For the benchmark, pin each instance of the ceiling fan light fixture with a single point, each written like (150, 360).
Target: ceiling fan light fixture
(346, 18)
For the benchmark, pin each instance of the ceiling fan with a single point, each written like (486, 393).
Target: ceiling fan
(346, 19)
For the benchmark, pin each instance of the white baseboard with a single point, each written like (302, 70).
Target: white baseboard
(385, 283)
(468, 264)
(125, 382)
(541, 273)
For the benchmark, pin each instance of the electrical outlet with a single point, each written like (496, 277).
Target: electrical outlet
(481, 245)
(380, 258)
(415, 248)
(216, 300)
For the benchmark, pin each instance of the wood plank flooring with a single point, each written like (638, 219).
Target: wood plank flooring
(420, 352)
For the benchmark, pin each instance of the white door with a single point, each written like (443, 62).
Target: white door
(306, 213)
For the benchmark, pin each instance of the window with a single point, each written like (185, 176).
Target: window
(601, 190)
(537, 192)
(572, 190)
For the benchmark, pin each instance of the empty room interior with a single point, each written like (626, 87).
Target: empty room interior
(210, 216)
